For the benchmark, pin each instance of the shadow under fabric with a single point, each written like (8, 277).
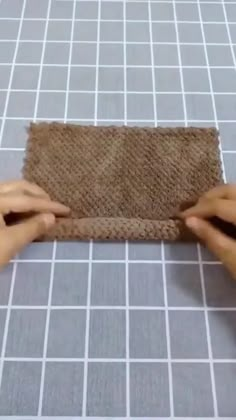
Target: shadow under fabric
(122, 182)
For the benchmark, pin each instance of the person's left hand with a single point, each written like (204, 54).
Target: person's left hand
(22, 197)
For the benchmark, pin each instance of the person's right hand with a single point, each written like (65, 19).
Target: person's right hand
(220, 202)
(37, 213)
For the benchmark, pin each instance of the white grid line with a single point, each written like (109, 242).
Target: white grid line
(212, 373)
(12, 71)
(46, 332)
(121, 92)
(86, 356)
(228, 32)
(116, 360)
(226, 44)
(127, 330)
(69, 63)
(139, 66)
(121, 307)
(8, 314)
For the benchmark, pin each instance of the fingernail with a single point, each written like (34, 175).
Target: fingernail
(49, 219)
(192, 223)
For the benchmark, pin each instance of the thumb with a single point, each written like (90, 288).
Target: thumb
(14, 238)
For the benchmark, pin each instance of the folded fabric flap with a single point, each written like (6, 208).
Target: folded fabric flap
(119, 229)
(122, 182)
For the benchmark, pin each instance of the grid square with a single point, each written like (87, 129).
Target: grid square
(196, 80)
(33, 30)
(62, 9)
(183, 285)
(139, 79)
(137, 32)
(140, 106)
(36, 9)
(138, 54)
(199, 107)
(187, 12)
(107, 333)
(2, 324)
(212, 12)
(111, 10)
(227, 135)
(57, 53)
(110, 106)
(106, 395)
(223, 80)
(7, 11)
(21, 104)
(108, 284)
(192, 345)
(54, 78)
(137, 11)
(66, 337)
(190, 33)
(7, 50)
(84, 54)
(51, 105)
(29, 52)
(85, 31)
(26, 333)
(72, 250)
(193, 55)
(20, 388)
(229, 161)
(219, 55)
(163, 32)
(111, 54)
(181, 252)
(192, 390)
(32, 284)
(110, 79)
(162, 11)
(111, 31)
(222, 325)
(59, 30)
(144, 251)
(165, 55)
(109, 250)
(25, 77)
(230, 12)
(63, 389)
(216, 33)
(9, 29)
(85, 10)
(5, 284)
(70, 284)
(232, 28)
(167, 80)
(146, 285)
(170, 107)
(225, 380)
(82, 78)
(225, 107)
(149, 390)
(220, 289)
(2, 102)
(81, 105)
(37, 250)
(147, 337)
(4, 76)
(11, 164)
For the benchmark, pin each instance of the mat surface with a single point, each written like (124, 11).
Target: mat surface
(122, 182)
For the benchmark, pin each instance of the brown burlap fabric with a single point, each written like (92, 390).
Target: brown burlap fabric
(122, 182)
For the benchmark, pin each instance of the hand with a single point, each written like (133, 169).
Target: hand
(220, 202)
(26, 198)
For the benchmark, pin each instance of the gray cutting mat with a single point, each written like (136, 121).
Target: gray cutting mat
(117, 330)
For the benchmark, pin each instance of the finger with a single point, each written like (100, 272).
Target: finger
(224, 209)
(223, 247)
(14, 238)
(20, 203)
(222, 191)
(22, 186)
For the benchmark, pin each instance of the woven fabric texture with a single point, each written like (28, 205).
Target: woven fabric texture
(122, 182)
